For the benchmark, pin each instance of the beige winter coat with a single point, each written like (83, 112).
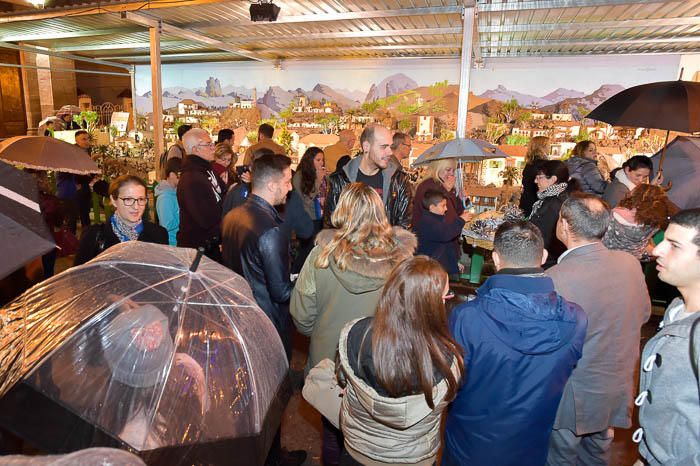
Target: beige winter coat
(380, 430)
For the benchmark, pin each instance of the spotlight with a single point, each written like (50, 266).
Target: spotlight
(264, 11)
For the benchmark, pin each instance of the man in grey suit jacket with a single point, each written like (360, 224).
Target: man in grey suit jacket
(610, 287)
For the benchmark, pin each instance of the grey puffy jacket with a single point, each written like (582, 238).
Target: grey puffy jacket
(587, 173)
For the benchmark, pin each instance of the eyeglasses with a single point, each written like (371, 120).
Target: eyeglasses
(541, 177)
(129, 201)
(407, 145)
(206, 144)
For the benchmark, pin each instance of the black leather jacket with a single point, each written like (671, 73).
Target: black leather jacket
(397, 192)
(257, 248)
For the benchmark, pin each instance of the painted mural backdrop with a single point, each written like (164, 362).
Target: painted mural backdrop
(538, 82)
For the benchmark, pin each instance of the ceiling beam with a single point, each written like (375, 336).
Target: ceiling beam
(344, 34)
(556, 4)
(68, 34)
(326, 17)
(300, 50)
(41, 51)
(192, 35)
(124, 46)
(623, 24)
(145, 5)
(586, 43)
(505, 54)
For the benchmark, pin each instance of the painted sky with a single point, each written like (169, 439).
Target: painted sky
(536, 76)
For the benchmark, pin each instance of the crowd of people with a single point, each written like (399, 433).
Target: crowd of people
(538, 368)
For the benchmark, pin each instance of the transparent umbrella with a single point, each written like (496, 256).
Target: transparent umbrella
(135, 350)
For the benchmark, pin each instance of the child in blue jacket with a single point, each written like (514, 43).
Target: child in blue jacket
(436, 238)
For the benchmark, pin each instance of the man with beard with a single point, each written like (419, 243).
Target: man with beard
(375, 168)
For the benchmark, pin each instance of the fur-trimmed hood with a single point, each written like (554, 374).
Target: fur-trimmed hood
(368, 273)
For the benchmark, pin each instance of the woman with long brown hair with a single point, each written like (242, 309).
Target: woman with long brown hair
(537, 151)
(638, 217)
(342, 279)
(402, 367)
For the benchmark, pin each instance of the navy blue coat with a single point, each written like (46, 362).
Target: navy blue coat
(521, 341)
(438, 239)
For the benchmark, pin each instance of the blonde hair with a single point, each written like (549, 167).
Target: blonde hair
(222, 150)
(537, 149)
(436, 166)
(362, 228)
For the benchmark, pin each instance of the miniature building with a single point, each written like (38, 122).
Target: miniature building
(426, 127)
(562, 117)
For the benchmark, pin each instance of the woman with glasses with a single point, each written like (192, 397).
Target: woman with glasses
(402, 368)
(128, 196)
(553, 187)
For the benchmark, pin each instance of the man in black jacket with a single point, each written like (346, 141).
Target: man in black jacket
(256, 246)
(199, 196)
(375, 168)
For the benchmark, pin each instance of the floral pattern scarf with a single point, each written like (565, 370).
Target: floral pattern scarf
(552, 191)
(125, 231)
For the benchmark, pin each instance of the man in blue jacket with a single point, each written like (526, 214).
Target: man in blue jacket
(521, 342)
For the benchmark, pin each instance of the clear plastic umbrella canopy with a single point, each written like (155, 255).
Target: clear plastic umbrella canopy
(135, 350)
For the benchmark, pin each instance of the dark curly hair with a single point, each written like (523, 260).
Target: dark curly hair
(308, 171)
(653, 206)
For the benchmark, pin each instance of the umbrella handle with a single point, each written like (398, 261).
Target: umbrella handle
(197, 259)
(663, 153)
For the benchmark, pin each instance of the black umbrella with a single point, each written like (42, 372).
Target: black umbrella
(22, 228)
(669, 105)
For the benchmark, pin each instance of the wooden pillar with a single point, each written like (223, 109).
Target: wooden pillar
(157, 95)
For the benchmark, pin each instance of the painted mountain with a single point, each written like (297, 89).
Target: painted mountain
(504, 94)
(272, 101)
(560, 100)
(589, 102)
(394, 84)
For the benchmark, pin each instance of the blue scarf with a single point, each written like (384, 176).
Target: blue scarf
(125, 231)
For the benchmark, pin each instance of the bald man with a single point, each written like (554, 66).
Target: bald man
(199, 196)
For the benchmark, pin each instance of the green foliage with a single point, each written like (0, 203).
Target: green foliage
(284, 139)
(90, 118)
(406, 125)
(510, 110)
(370, 107)
(114, 132)
(177, 123)
(524, 116)
(583, 135)
(517, 140)
(438, 107)
(447, 135)
(329, 123)
(438, 89)
(252, 136)
(286, 114)
(510, 175)
(208, 123)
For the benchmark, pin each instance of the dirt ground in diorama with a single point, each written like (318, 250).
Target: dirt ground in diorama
(301, 425)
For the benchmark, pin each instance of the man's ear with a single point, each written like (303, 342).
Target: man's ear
(365, 146)
(545, 255)
(496, 260)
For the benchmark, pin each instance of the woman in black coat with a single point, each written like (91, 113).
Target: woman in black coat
(553, 187)
(128, 196)
(537, 152)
